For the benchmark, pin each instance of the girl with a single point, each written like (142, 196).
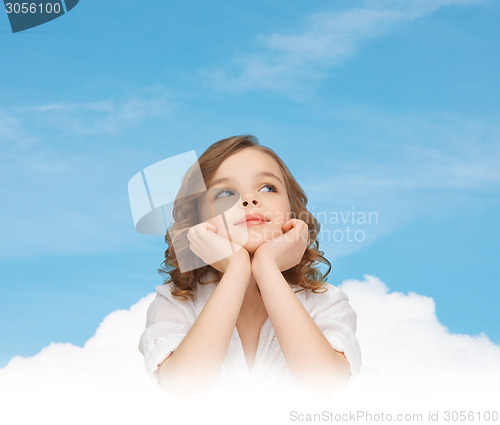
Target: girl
(260, 310)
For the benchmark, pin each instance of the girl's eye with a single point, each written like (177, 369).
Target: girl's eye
(270, 187)
(223, 193)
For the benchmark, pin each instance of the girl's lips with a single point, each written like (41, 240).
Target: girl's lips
(252, 220)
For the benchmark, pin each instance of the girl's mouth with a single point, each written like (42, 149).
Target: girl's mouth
(252, 220)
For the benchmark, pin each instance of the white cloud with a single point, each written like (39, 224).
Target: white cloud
(55, 201)
(12, 132)
(413, 151)
(64, 180)
(411, 363)
(398, 330)
(106, 117)
(282, 60)
(408, 166)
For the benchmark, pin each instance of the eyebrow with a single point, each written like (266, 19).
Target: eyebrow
(261, 174)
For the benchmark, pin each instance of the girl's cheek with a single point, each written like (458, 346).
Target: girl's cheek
(282, 215)
(232, 232)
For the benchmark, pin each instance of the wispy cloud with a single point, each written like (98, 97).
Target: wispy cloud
(408, 166)
(104, 106)
(108, 117)
(415, 151)
(60, 197)
(280, 61)
(12, 132)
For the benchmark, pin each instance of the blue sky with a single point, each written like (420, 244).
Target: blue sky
(386, 106)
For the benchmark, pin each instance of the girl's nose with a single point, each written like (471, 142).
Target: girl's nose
(253, 201)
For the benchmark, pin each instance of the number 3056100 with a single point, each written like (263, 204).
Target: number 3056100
(33, 8)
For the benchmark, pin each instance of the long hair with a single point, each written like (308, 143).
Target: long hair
(306, 274)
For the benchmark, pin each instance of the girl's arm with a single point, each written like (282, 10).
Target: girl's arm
(196, 362)
(310, 357)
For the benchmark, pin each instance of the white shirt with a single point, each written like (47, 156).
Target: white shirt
(170, 319)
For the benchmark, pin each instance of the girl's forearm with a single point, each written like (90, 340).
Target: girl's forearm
(309, 355)
(197, 360)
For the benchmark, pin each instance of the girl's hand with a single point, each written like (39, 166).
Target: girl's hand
(213, 249)
(287, 250)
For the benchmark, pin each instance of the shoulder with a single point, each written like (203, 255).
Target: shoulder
(165, 291)
(194, 304)
(327, 296)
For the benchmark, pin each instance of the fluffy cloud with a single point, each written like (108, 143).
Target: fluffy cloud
(411, 365)
(403, 340)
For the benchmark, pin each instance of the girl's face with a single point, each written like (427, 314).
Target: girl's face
(248, 188)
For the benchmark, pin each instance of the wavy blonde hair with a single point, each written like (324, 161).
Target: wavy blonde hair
(306, 274)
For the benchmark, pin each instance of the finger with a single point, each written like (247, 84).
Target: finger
(190, 234)
(211, 227)
(298, 230)
(295, 224)
(194, 250)
(199, 229)
(300, 225)
(304, 231)
(289, 224)
(194, 235)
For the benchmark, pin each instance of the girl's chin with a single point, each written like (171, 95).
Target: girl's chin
(251, 246)
(251, 239)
